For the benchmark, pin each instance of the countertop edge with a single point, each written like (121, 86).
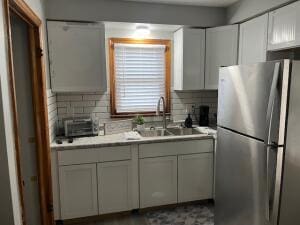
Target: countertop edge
(132, 142)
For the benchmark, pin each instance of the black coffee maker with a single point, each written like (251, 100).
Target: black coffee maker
(204, 116)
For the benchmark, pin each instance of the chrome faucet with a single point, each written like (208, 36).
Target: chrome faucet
(164, 111)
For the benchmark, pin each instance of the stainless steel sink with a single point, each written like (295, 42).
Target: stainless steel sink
(183, 131)
(155, 133)
(177, 131)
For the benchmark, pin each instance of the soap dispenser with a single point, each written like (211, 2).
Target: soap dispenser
(188, 121)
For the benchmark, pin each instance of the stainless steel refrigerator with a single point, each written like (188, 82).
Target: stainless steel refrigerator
(258, 144)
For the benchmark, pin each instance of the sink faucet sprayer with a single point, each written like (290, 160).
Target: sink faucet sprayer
(164, 111)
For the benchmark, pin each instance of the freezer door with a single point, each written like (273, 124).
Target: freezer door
(245, 98)
(240, 180)
(290, 199)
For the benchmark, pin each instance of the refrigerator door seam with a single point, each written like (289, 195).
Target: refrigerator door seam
(268, 148)
(281, 139)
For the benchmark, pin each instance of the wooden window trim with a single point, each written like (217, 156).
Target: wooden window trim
(112, 42)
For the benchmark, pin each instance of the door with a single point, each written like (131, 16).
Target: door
(290, 199)
(78, 191)
(221, 50)
(253, 40)
(77, 56)
(193, 59)
(158, 181)
(114, 186)
(245, 96)
(240, 180)
(284, 28)
(189, 57)
(195, 177)
(24, 100)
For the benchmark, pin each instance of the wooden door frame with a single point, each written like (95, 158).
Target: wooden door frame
(39, 97)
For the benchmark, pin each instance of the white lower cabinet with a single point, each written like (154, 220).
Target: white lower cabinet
(116, 179)
(158, 181)
(78, 190)
(114, 186)
(195, 177)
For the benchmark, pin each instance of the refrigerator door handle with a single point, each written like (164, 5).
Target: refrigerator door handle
(277, 183)
(268, 144)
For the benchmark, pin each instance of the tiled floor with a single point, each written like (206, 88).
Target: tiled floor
(197, 214)
(124, 220)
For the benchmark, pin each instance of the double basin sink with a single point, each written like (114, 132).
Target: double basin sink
(174, 131)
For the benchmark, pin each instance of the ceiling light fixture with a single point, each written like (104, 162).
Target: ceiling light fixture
(142, 31)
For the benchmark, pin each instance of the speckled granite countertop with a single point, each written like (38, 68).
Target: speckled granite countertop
(120, 139)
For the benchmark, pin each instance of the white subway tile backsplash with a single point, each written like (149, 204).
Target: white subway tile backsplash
(62, 111)
(52, 100)
(179, 106)
(98, 104)
(69, 97)
(95, 97)
(52, 107)
(103, 115)
(97, 109)
(83, 103)
(63, 104)
(52, 113)
(102, 103)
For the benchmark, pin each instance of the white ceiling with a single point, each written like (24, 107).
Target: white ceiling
(213, 3)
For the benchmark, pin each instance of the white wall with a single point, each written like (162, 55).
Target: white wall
(124, 11)
(9, 202)
(245, 9)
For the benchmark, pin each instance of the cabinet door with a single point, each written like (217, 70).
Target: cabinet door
(158, 181)
(195, 177)
(77, 57)
(253, 40)
(284, 27)
(78, 191)
(114, 186)
(189, 53)
(221, 50)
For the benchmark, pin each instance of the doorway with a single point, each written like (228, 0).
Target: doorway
(29, 108)
(24, 100)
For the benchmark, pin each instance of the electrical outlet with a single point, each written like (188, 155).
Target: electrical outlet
(193, 108)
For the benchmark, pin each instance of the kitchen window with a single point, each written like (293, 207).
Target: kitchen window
(139, 75)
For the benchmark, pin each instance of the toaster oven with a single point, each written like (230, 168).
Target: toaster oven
(79, 127)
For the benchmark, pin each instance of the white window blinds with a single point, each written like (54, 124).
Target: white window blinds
(140, 77)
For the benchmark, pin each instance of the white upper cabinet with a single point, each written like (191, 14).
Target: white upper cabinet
(221, 50)
(253, 40)
(77, 57)
(284, 27)
(189, 54)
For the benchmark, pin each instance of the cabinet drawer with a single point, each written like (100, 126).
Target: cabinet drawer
(93, 155)
(77, 156)
(175, 148)
(114, 153)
